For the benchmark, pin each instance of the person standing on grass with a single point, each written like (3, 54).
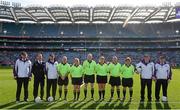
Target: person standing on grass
(146, 69)
(22, 75)
(52, 76)
(89, 66)
(76, 72)
(127, 77)
(63, 69)
(39, 71)
(102, 71)
(115, 80)
(163, 76)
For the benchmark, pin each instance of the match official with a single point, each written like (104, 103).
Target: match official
(63, 69)
(102, 71)
(22, 74)
(39, 71)
(76, 72)
(115, 80)
(146, 70)
(163, 76)
(89, 66)
(52, 76)
(127, 77)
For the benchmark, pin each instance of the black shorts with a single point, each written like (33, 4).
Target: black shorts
(77, 81)
(89, 78)
(101, 79)
(63, 82)
(115, 81)
(127, 82)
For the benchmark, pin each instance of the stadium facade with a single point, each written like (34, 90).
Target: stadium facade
(76, 31)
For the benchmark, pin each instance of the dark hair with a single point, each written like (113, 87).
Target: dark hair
(52, 55)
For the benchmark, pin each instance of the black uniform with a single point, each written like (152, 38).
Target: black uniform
(38, 70)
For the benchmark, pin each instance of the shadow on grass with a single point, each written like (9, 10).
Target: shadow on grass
(19, 105)
(121, 106)
(43, 105)
(91, 104)
(159, 105)
(75, 104)
(83, 103)
(166, 105)
(7, 104)
(112, 103)
(142, 106)
(149, 105)
(61, 105)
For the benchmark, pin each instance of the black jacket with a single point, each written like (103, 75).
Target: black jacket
(39, 70)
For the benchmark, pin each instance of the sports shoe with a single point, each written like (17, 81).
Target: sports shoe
(164, 99)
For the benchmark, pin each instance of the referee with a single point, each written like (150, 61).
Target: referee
(63, 70)
(89, 66)
(76, 73)
(163, 76)
(39, 71)
(127, 77)
(52, 76)
(102, 71)
(146, 70)
(22, 74)
(115, 81)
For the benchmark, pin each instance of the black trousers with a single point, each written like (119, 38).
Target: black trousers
(164, 84)
(25, 83)
(144, 83)
(38, 82)
(51, 83)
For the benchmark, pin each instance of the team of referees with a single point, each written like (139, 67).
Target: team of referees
(57, 74)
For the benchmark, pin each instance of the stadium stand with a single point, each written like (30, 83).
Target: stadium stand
(75, 39)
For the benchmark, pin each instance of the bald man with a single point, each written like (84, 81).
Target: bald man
(115, 80)
(89, 74)
(63, 69)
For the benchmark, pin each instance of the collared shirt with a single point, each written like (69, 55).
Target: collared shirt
(76, 71)
(63, 69)
(22, 68)
(145, 69)
(89, 67)
(51, 70)
(102, 69)
(115, 69)
(163, 71)
(128, 71)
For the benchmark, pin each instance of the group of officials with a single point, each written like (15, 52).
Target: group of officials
(90, 72)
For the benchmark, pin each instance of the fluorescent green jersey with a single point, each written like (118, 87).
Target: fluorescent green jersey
(76, 71)
(127, 71)
(63, 69)
(115, 69)
(89, 67)
(102, 70)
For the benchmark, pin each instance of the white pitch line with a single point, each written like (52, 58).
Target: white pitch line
(103, 102)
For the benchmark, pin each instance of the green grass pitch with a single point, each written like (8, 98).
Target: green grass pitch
(8, 90)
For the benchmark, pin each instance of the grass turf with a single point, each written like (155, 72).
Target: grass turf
(8, 90)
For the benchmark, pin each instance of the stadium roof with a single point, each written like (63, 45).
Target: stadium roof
(84, 14)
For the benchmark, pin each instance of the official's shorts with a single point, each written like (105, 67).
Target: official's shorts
(101, 79)
(115, 81)
(89, 78)
(63, 82)
(127, 82)
(77, 81)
